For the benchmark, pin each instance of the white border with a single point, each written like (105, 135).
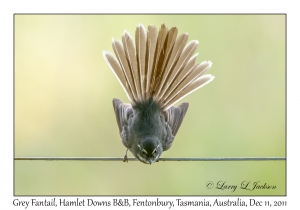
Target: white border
(8, 8)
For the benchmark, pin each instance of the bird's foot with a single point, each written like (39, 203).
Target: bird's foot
(125, 159)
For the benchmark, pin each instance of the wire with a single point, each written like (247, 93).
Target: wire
(160, 159)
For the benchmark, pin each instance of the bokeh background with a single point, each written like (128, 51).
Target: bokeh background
(63, 107)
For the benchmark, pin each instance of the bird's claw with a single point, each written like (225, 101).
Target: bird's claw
(125, 159)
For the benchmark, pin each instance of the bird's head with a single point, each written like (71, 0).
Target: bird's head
(149, 150)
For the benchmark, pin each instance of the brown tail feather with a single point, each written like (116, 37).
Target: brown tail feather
(161, 66)
(141, 45)
(152, 40)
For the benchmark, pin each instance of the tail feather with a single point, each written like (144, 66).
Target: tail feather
(161, 66)
(195, 85)
(119, 51)
(129, 49)
(141, 45)
(152, 40)
(159, 59)
(118, 71)
(185, 71)
(176, 52)
(196, 71)
(186, 54)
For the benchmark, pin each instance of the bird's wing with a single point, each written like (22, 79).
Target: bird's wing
(123, 112)
(174, 117)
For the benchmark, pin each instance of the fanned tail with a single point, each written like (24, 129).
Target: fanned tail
(160, 66)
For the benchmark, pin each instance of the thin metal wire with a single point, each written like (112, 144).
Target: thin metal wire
(160, 159)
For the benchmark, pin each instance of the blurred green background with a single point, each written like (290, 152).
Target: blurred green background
(63, 107)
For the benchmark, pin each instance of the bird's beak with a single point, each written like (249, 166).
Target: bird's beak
(150, 161)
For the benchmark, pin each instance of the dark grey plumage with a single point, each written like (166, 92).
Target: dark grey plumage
(155, 73)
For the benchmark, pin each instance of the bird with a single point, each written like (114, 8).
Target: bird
(155, 70)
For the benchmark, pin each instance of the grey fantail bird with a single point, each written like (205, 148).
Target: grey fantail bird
(155, 72)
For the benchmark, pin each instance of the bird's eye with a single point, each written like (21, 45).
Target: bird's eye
(155, 151)
(144, 152)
